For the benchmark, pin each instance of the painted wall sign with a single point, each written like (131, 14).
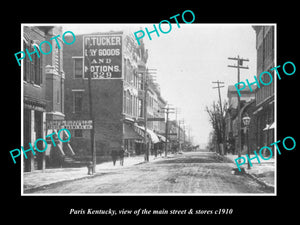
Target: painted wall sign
(102, 56)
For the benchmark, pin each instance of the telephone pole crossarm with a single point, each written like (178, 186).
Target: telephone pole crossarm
(241, 67)
(237, 58)
(218, 87)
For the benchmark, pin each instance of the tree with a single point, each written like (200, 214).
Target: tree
(217, 120)
(211, 146)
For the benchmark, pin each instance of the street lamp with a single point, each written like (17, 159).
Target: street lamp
(246, 120)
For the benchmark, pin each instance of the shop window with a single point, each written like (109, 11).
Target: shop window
(32, 69)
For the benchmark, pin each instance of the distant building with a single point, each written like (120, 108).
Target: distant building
(246, 95)
(265, 94)
(155, 107)
(247, 101)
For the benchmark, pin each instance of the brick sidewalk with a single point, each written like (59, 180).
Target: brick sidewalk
(38, 178)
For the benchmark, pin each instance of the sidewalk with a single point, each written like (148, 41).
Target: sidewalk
(263, 172)
(38, 178)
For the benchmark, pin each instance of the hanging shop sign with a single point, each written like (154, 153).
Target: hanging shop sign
(156, 119)
(70, 124)
(102, 56)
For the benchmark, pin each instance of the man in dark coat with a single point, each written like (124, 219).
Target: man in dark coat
(114, 156)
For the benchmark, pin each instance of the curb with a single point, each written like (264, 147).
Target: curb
(261, 182)
(43, 187)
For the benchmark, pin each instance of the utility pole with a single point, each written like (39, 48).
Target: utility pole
(177, 110)
(184, 136)
(145, 81)
(189, 134)
(181, 134)
(178, 137)
(167, 111)
(219, 82)
(222, 130)
(239, 66)
(93, 145)
(146, 86)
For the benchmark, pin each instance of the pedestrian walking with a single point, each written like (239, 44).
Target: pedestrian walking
(114, 156)
(121, 155)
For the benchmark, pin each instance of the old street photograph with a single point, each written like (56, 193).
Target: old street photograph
(175, 113)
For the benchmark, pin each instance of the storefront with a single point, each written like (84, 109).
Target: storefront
(152, 139)
(132, 139)
(33, 128)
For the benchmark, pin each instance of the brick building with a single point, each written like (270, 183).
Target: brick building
(247, 101)
(155, 109)
(177, 136)
(117, 65)
(55, 78)
(34, 96)
(43, 92)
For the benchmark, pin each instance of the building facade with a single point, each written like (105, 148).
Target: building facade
(34, 97)
(55, 78)
(259, 104)
(43, 92)
(247, 104)
(155, 108)
(117, 67)
(265, 94)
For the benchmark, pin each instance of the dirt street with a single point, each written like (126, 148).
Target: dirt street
(193, 172)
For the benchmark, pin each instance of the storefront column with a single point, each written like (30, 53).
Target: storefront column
(43, 128)
(29, 154)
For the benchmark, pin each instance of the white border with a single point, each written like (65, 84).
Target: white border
(158, 194)
(22, 113)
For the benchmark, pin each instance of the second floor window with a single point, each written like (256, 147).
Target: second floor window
(32, 69)
(78, 68)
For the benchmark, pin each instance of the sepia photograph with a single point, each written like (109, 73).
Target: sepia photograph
(150, 109)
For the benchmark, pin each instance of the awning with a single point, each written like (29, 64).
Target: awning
(129, 133)
(270, 126)
(259, 109)
(51, 147)
(151, 134)
(162, 138)
(267, 127)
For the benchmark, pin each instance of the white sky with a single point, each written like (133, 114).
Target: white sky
(188, 59)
